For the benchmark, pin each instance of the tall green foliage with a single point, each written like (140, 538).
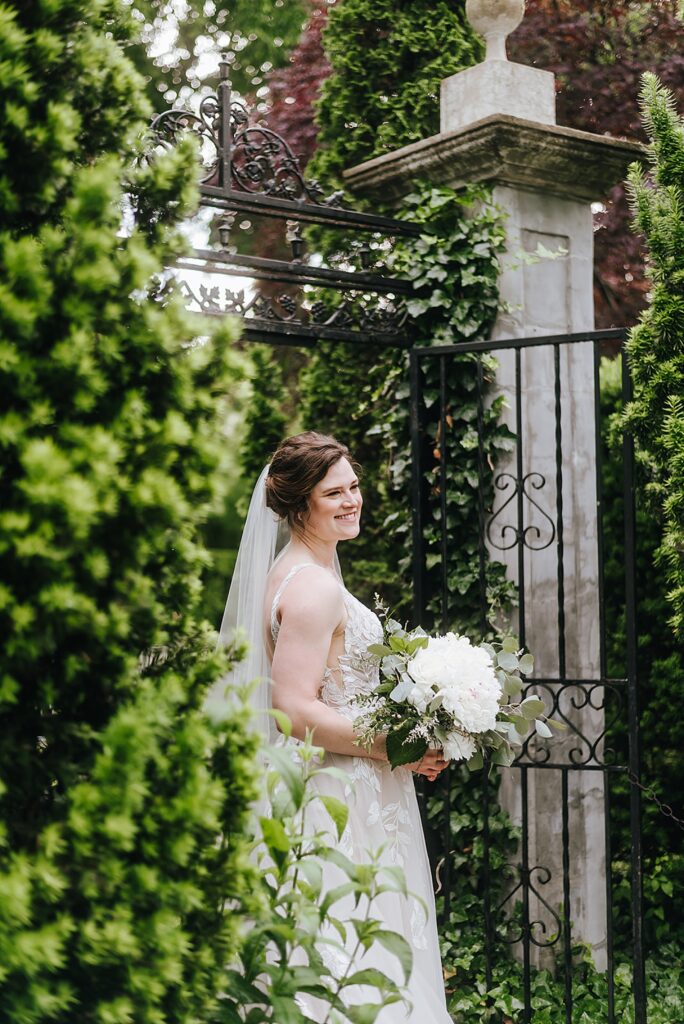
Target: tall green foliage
(656, 345)
(660, 672)
(388, 58)
(120, 805)
(387, 62)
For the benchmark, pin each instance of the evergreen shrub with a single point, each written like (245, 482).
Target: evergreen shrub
(656, 344)
(121, 807)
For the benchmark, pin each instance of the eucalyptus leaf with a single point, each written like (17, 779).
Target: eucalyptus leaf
(531, 707)
(526, 663)
(509, 644)
(543, 729)
(402, 689)
(507, 661)
(476, 761)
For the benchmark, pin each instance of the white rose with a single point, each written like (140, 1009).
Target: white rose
(458, 748)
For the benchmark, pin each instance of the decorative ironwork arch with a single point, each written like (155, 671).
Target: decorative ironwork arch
(248, 169)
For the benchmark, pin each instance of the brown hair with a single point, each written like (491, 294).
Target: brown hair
(298, 464)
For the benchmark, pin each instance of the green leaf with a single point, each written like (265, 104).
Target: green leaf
(370, 976)
(338, 811)
(507, 661)
(400, 750)
(476, 761)
(526, 663)
(283, 721)
(509, 644)
(531, 707)
(276, 838)
(397, 945)
(543, 729)
(380, 650)
(289, 772)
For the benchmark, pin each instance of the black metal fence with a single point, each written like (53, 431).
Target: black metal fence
(561, 782)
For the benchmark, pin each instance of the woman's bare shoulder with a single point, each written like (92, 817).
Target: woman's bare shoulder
(312, 589)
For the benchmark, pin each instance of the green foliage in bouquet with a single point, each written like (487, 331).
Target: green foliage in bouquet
(656, 345)
(300, 925)
(121, 809)
(414, 712)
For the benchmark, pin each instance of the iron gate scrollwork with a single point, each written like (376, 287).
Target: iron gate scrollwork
(525, 521)
(248, 170)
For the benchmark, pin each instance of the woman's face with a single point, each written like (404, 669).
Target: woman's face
(335, 504)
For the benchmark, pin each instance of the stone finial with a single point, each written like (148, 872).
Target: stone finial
(495, 20)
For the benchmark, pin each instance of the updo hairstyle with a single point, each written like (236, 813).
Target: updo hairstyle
(298, 464)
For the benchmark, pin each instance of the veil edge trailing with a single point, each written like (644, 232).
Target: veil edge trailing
(264, 539)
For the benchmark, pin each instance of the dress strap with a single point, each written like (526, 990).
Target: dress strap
(275, 625)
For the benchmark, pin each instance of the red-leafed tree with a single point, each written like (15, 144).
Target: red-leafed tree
(294, 88)
(598, 53)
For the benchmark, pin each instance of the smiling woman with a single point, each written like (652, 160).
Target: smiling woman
(315, 638)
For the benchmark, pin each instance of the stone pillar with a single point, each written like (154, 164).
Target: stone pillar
(498, 125)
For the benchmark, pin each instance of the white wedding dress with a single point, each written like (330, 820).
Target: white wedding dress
(383, 810)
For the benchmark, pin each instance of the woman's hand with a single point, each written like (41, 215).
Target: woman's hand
(430, 765)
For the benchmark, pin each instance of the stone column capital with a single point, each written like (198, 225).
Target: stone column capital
(503, 150)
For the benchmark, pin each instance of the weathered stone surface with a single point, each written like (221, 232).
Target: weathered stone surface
(506, 150)
(494, 88)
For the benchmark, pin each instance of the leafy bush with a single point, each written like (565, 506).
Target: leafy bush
(121, 809)
(303, 942)
(655, 347)
(388, 58)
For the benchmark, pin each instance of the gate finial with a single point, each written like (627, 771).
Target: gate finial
(495, 20)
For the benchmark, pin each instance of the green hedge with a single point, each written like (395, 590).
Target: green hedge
(121, 808)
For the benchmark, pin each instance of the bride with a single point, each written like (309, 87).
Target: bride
(315, 638)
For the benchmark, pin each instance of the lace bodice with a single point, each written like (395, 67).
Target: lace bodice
(358, 670)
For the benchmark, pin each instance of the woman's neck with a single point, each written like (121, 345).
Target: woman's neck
(319, 551)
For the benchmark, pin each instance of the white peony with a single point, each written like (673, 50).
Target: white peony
(463, 675)
(458, 748)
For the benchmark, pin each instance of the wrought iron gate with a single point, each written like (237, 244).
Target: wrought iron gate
(250, 172)
(528, 501)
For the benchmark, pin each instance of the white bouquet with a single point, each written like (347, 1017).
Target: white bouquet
(445, 691)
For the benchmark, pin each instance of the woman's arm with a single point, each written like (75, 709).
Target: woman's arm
(312, 609)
